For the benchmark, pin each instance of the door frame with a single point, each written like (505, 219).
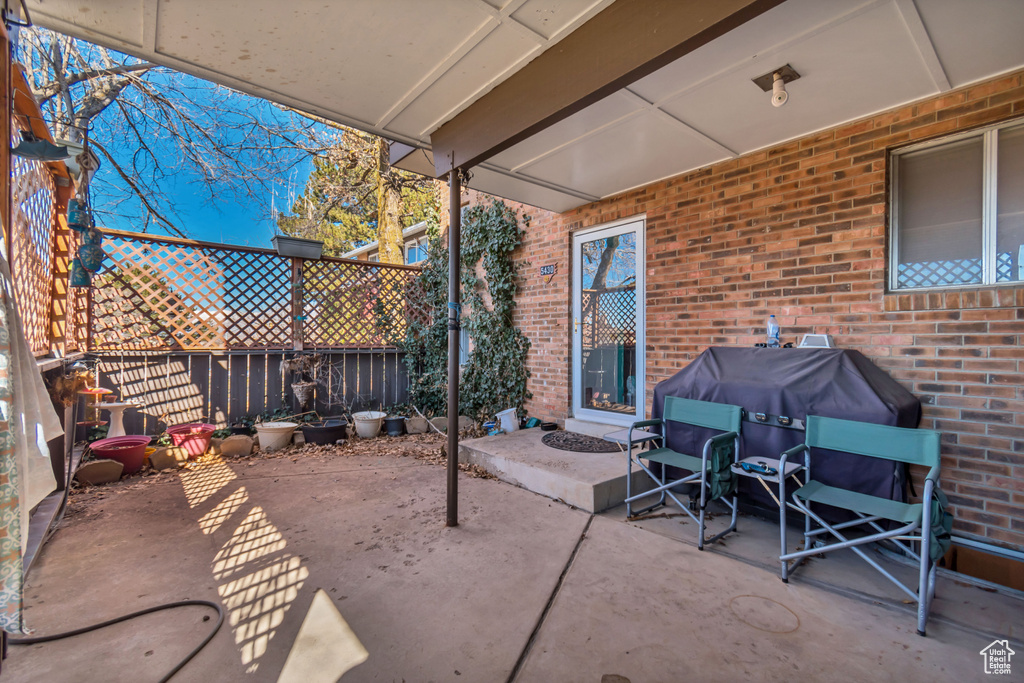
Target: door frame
(618, 227)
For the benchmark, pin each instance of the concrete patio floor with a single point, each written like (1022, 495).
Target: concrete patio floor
(525, 589)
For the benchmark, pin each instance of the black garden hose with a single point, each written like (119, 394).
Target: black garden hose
(126, 617)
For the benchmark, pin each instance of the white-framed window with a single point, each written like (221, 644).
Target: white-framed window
(373, 257)
(415, 251)
(957, 210)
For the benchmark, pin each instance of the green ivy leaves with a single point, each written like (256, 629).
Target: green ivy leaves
(495, 376)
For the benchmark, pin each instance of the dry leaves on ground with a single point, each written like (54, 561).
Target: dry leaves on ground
(429, 448)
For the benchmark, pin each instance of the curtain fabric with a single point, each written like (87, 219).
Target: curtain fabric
(27, 422)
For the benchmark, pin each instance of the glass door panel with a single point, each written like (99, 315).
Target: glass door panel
(607, 324)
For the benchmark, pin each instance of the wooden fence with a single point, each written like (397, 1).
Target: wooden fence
(194, 331)
(160, 293)
(221, 387)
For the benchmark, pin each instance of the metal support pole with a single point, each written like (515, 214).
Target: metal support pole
(454, 303)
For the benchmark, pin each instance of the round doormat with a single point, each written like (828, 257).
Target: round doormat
(579, 443)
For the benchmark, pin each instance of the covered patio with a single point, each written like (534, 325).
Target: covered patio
(635, 124)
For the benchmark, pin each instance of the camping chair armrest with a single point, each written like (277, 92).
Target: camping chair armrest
(645, 441)
(723, 437)
(795, 450)
(719, 439)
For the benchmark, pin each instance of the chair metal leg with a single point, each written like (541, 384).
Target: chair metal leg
(925, 570)
(784, 574)
(700, 529)
(629, 481)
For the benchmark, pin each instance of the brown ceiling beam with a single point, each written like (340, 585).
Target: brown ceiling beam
(623, 43)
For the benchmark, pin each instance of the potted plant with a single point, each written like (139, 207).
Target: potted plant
(298, 247)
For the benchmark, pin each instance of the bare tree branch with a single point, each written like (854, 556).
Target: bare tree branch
(140, 192)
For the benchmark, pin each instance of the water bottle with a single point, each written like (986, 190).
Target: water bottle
(773, 332)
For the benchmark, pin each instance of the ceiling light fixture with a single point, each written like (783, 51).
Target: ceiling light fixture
(775, 81)
(779, 94)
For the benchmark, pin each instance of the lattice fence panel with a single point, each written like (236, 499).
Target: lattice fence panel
(33, 219)
(954, 272)
(154, 295)
(78, 319)
(609, 317)
(257, 297)
(938, 273)
(1005, 271)
(347, 304)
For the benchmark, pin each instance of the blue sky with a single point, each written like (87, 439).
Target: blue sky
(230, 216)
(229, 219)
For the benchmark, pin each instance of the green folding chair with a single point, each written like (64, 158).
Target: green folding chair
(711, 470)
(913, 521)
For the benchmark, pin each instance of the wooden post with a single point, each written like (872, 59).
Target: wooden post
(63, 245)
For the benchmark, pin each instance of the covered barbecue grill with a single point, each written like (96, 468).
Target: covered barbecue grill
(776, 386)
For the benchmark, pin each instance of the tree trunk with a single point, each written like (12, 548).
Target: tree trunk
(389, 204)
(607, 256)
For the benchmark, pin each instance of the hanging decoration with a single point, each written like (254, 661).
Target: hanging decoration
(78, 215)
(90, 253)
(80, 277)
(80, 219)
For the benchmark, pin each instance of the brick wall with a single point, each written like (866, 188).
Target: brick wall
(799, 230)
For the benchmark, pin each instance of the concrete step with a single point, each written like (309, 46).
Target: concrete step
(589, 481)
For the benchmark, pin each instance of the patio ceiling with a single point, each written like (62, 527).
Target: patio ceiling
(422, 72)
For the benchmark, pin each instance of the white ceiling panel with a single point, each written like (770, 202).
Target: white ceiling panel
(119, 20)
(547, 18)
(473, 75)
(642, 149)
(520, 189)
(567, 131)
(759, 37)
(333, 55)
(833, 87)
(975, 39)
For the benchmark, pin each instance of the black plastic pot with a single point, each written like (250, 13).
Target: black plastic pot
(240, 429)
(395, 426)
(325, 432)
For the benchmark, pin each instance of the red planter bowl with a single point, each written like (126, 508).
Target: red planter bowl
(194, 438)
(130, 451)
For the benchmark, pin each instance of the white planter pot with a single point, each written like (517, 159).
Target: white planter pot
(368, 423)
(507, 420)
(275, 435)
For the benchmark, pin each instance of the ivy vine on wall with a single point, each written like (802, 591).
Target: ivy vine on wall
(495, 375)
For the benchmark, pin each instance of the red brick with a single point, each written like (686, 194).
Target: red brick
(799, 230)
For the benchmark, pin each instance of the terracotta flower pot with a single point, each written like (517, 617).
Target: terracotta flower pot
(130, 451)
(194, 438)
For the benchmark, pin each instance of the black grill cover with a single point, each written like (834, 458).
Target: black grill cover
(796, 383)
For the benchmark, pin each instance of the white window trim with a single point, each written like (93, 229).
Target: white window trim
(989, 210)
